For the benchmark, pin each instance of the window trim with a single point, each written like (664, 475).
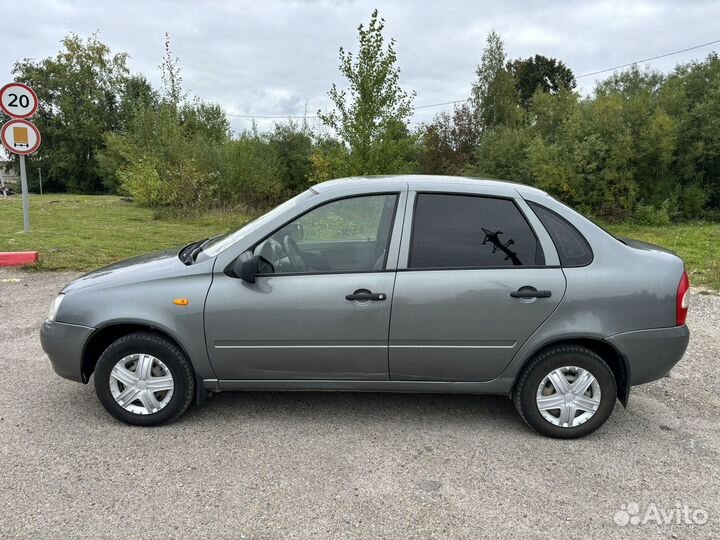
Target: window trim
(329, 201)
(477, 195)
(533, 204)
(459, 268)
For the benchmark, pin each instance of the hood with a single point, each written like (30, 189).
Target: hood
(645, 246)
(155, 265)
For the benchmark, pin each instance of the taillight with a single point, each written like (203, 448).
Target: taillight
(683, 300)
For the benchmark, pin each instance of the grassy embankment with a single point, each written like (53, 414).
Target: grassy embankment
(83, 232)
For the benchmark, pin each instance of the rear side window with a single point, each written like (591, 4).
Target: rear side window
(572, 247)
(461, 231)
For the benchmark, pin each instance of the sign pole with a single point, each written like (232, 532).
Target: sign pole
(25, 198)
(40, 178)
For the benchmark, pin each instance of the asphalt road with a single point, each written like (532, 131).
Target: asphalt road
(325, 465)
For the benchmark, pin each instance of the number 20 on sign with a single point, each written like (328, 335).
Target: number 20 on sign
(18, 100)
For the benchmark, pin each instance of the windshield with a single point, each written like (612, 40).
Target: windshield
(221, 243)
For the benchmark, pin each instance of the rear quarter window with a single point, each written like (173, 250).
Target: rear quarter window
(572, 247)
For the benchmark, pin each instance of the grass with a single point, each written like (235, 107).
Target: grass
(83, 232)
(698, 243)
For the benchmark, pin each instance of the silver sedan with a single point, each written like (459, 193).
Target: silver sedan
(398, 283)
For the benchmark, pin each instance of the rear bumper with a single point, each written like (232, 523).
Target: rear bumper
(651, 354)
(64, 343)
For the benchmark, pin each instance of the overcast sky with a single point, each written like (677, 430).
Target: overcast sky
(272, 57)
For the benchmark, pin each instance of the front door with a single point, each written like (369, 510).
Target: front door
(474, 290)
(324, 310)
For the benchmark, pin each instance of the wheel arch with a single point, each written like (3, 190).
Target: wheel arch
(108, 333)
(617, 361)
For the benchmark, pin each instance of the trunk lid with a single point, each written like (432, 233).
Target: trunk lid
(645, 246)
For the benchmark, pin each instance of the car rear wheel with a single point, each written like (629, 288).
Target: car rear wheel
(566, 392)
(144, 379)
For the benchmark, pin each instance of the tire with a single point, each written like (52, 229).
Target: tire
(167, 369)
(574, 363)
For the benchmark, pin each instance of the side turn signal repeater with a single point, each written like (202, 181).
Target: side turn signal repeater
(181, 301)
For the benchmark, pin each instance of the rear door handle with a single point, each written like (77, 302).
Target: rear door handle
(363, 295)
(530, 292)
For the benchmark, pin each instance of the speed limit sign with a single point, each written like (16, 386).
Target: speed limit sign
(18, 100)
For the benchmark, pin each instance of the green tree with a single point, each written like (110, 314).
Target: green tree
(448, 143)
(631, 82)
(137, 96)
(549, 112)
(502, 153)
(691, 96)
(136, 93)
(173, 151)
(171, 75)
(540, 73)
(330, 159)
(80, 93)
(294, 145)
(371, 117)
(494, 94)
(252, 173)
(652, 130)
(204, 120)
(589, 161)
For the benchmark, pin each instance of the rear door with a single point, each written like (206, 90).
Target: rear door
(473, 287)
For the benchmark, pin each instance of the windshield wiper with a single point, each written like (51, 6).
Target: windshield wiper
(187, 253)
(197, 250)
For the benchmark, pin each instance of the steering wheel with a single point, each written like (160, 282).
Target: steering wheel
(294, 254)
(272, 250)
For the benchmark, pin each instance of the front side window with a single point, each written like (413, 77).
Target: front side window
(347, 235)
(467, 231)
(222, 242)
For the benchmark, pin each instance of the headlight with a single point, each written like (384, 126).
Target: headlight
(54, 307)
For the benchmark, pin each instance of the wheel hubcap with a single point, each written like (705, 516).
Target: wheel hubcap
(141, 384)
(568, 396)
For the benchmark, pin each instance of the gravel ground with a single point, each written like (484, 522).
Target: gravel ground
(325, 465)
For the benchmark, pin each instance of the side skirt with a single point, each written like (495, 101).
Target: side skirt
(496, 386)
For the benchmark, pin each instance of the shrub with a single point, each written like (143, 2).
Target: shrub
(329, 161)
(647, 214)
(141, 181)
(252, 173)
(693, 200)
(293, 145)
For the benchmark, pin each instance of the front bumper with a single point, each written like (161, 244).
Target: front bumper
(64, 343)
(651, 354)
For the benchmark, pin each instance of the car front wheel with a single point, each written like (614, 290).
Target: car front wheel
(567, 391)
(144, 379)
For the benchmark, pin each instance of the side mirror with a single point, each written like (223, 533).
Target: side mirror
(244, 267)
(247, 266)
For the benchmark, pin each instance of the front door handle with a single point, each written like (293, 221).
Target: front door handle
(363, 295)
(530, 292)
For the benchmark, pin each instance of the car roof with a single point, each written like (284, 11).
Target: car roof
(420, 181)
